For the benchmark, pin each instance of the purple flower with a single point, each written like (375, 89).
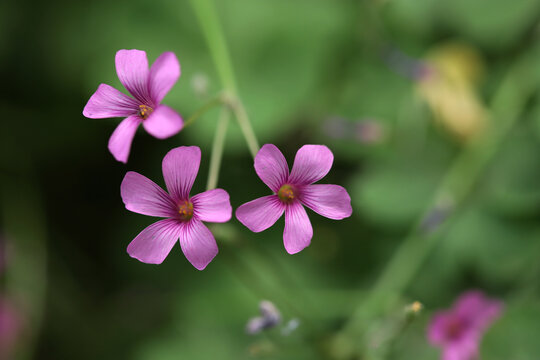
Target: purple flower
(148, 88)
(11, 326)
(184, 214)
(458, 331)
(270, 317)
(292, 191)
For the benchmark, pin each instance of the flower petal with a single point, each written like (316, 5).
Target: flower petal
(132, 70)
(261, 213)
(164, 73)
(436, 332)
(271, 166)
(180, 167)
(479, 310)
(462, 350)
(121, 138)
(331, 201)
(198, 244)
(108, 102)
(298, 231)
(143, 196)
(163, 122)
(213, 206)
(155, 242)
(312, 163)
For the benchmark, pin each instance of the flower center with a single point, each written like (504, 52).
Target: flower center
(144, 111)
(286, 193)
(185, 209)
(454, 328)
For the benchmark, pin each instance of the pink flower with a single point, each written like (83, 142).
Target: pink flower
(292, 191)
(458, 331)
(11, 324)
(148, 88)
(184, 214)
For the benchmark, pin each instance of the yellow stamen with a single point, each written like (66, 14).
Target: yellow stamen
(144, 111)
(185, 209)
(286, 193)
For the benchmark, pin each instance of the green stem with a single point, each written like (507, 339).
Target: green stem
(217, 148)
(457, 184)
(209, 105)
(245, 125)
(209, 21)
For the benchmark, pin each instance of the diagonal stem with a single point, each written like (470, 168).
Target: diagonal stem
(203, 109)
(217, 148)
(209, 21)
(507, 105)
(245, 125)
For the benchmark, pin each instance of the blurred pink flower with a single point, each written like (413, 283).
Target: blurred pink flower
(184, 213)
(458, 331)
(148, 88)
(10, 328)
(292, 191)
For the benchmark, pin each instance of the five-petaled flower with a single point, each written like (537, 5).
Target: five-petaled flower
(148, 88)
(459, 330)
(292, 191)
(184, 213)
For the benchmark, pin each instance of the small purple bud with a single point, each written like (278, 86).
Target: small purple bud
(369, 132)
(405, 65)
(434, 218)
(255, 325)
(270, 317)
(270, 312)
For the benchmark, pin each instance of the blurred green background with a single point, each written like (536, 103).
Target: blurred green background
(420, 101)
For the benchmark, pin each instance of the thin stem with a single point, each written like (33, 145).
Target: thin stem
(211, 27)
(457, 184)
(200, 111)
(245, 126)
(217, 148)
(209, 21)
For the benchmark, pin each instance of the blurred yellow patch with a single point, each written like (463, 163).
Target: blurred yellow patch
(449, 88)
(414, 308)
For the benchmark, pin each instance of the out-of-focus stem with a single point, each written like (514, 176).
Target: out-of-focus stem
(217, 148)
(209, 21)
(209, 105)
(245, 125)
(211, 27)
(456, 185)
